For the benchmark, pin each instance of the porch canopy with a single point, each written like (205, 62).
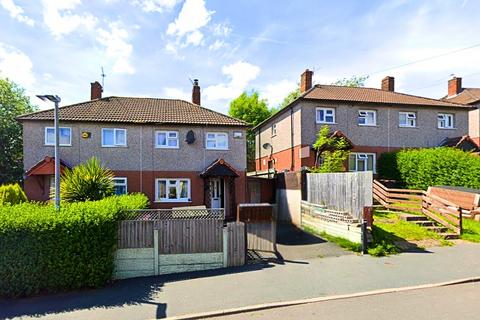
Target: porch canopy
(219, 168)
(46, 167)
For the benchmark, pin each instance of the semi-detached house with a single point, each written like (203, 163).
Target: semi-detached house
(373, 120)
(176, 152)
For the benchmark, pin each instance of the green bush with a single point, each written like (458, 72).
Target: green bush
(421, 168)
(47, 250)
(88, 181)
(12, 194)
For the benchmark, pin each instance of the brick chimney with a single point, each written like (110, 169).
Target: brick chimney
(306, 81)
(454, 86)
(95, 90)
(196, 92)
(388, 83)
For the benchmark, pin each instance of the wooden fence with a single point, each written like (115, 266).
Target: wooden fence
(346, 191)
(235, 237)
(443, 212)
(260, 225)
(398, 199)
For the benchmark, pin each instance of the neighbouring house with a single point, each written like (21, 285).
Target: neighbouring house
(176, 152)
(373, 120)
(468, 96)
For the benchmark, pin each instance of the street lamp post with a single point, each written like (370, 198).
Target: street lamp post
(55, 99)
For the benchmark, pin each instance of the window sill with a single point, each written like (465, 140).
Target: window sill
(326, 122)
(368, 125)
(114, 146)
(159, 147)
(61, 145)
(405, 127)
(211, 149)
(446, 128)
(172, 201)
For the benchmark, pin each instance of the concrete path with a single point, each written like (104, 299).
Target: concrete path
(452, 302)
(157, 297)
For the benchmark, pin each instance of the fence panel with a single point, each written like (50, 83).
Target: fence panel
(135, 234)
(190, 236)
(260, 224)
(398, 199)
(346, 191)
(235, 233)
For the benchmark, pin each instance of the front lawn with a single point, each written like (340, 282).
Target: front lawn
(471, 230)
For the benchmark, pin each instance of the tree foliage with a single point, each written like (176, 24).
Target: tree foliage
(353, 81)
(13, 103)
(290, 98)
(331, 152)
(253, 110)
(89, 181)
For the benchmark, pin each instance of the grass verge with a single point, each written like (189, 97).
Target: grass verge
(471, 230)
(342, 242)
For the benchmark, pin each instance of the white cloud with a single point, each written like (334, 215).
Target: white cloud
(16, 12)
(60, 19)
(16, 65)
(276, 92)
(117, 47)
(156, 5)
(176, 93)
(216, 45)
(222, 29)
(186, 28)
(240, 74)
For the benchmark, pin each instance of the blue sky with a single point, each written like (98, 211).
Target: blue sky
(152, 47)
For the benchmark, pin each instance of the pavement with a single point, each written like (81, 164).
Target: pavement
(326, 273)
(451, 302)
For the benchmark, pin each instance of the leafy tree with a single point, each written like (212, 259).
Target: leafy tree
(331, 151)
(12, 194)
(353, 81)
(89, 181)
(290, 98)
(253, 110)
(13, 103)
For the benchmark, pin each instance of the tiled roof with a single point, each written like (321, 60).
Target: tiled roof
(137, 110)
(361, 94)
(467, 96)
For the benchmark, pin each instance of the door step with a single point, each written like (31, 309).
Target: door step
(428, 224)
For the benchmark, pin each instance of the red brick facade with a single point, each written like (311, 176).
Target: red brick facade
(283, 160)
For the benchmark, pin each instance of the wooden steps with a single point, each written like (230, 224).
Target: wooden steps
(425, 223)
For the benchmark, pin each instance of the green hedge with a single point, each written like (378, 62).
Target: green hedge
(45, 250)
(422, 168)
(12, 194)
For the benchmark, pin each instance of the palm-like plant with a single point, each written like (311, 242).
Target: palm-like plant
(89, 181)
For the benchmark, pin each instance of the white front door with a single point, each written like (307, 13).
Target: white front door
(217, 193)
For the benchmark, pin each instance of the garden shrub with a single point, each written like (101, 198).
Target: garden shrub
(47, 250)
(12, 194)
(421, 168)
(387, 166)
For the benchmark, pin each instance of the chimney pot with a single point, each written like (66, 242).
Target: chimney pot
(454, 86)
(306, 80)
(388, 84)
(95, 90)
(196, 92)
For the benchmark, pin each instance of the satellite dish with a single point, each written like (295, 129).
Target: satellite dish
(190, 137)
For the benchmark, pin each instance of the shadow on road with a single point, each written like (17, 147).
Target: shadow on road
(120, 293)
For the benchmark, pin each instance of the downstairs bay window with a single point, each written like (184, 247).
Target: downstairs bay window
(361, 162)
(172, 190)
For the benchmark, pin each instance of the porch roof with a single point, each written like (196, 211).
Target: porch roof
(219, 168)
(46, 167)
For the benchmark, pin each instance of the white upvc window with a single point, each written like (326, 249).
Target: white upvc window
(172, 190)
(325, 115)
(120, 185)
(114, 137)
(445, 121)
(361, 162)
(407, 119)
(367, 118)
(65, 138)
(217, 140)
(274, 130)
(166, 139)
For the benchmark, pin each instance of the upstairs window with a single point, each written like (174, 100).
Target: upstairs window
(167, 139)
(112, 137)
(367, 118)
(445, 121)
(120, 186)
(274, 130)
(325, 115)
(407, 119)
(217, 141)
(65, 138)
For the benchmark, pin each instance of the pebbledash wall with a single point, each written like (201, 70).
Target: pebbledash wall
(385, 136)
(140, 162)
